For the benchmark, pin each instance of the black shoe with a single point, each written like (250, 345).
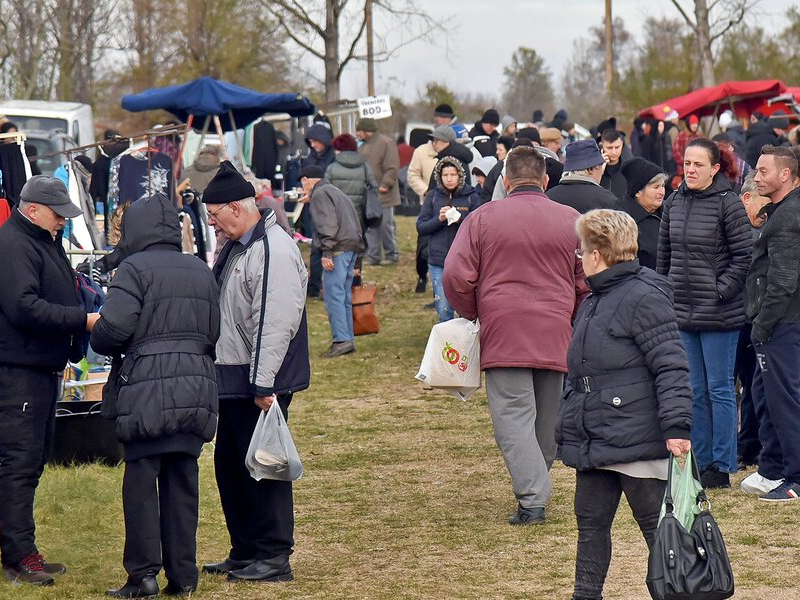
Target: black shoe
(712, 479)
(30, 570)
(422, 283)
(527, 516)
(272, 569)
(431, 306)
(743, 463)
(224, 567)
(176, 590)
(339, 349)
(145, 588)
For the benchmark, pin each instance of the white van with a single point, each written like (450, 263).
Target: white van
(73, 118)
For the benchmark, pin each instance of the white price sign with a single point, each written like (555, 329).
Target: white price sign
(375, 107)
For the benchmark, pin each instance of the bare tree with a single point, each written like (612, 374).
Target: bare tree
(710, 23)
(333, 33)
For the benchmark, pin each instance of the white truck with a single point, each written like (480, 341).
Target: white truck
(73, 118)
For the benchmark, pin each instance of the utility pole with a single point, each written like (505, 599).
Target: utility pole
(370, 51)
(609, 48)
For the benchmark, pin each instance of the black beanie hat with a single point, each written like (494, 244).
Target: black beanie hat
(228, 185)
(531, 133)
(444, 110)
(638, 172)
(538, 116)
(492, 117)
(312, 172)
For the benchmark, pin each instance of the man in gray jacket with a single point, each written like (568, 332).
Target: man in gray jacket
(337, 233)
(262, 357)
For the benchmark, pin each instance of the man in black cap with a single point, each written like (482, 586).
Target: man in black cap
(262, 357)
(445, 143)
(40, 323)
(445, 115)
(487, 125)
(580, 183)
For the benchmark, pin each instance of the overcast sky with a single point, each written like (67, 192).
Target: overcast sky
(485, 33)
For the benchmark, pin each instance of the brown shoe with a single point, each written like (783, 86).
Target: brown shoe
(339, 349)
(30, 570)
(54, 568)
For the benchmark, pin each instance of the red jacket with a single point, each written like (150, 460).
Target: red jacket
(513, 265)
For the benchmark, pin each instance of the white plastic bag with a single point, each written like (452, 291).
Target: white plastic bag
(452, 359)
(272, 453)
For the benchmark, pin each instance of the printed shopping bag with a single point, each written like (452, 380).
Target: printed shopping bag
(452, 358)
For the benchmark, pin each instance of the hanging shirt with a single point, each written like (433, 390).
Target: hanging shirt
(134, 182)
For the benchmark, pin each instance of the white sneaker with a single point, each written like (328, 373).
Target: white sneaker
(758, 484)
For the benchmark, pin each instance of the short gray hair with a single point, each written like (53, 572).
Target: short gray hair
(749, 184)
(23, 205)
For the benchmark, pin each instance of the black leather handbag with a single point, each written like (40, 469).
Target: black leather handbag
(689, 565)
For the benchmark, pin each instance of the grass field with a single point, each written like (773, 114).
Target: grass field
(405, 494)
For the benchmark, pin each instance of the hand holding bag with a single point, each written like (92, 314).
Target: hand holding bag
(272, 453)
(688, 564)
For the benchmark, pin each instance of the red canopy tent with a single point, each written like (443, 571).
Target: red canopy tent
(742, 97)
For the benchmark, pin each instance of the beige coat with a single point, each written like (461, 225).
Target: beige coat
(381, 155)
(421, 168)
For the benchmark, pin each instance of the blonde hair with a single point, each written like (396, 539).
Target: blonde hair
(611, 232)
(115, 223)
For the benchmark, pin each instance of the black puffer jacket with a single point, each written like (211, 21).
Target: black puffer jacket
(704, 246)
(162, 312)
(773, 283)
(628, 385)
(464, 198)
(582, 194)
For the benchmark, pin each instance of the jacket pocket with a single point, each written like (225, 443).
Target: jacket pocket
(629, 414)
(247, 341)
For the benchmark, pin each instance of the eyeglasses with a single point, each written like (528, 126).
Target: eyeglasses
(214, 214)
(579, 252)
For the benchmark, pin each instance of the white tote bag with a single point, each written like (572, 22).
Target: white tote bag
(452, 359)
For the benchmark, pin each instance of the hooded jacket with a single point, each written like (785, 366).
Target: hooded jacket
(337, 226)
(351, 174)
(457, 151)
(162, 313)
(628, 386)
(202, 170)
(40, 320)
(326, 157)
(464, 198)
(704, 247)
(773, 283)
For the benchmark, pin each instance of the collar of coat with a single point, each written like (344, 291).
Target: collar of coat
(571, 177)
(608, 278)
(233, 248)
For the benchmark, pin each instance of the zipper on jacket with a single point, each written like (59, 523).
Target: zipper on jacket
(686, 218)
(247, 342)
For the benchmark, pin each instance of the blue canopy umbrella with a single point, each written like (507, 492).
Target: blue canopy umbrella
(235, 106)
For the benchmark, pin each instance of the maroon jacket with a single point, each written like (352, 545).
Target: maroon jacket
(513, 265)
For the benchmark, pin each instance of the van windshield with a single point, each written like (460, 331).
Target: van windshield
(37, 123)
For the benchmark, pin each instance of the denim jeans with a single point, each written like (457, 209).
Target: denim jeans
(712, 355)
(337, 286)
(443, 308)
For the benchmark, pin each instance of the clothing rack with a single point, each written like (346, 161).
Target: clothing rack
(15, 136)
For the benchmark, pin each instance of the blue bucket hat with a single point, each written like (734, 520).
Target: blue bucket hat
(583, 154)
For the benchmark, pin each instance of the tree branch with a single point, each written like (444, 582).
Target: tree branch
(686, 17)
(294, 9)
(297, 40)
(351, 52)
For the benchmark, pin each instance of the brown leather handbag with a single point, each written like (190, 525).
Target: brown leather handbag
(364, 319)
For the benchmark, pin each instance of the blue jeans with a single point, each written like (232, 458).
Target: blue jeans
(337, 286)
(443, 308)
(712, 355)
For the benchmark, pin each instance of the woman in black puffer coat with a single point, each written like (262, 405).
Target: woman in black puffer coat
(627, 402)
(704, 247)
(162, 313)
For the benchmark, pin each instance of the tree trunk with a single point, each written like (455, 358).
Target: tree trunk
(332, 73)
(707, 78)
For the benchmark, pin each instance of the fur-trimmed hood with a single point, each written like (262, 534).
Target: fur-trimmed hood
(449, 161)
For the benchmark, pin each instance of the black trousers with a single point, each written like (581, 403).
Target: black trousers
(597, 495)
(160, 502)
(27, 418)
(422, 256)
(259, 514)
(748, 445)
(776, 393)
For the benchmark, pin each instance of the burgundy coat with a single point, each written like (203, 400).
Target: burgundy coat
(513, 265)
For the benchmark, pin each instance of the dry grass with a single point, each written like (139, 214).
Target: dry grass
(405, 495)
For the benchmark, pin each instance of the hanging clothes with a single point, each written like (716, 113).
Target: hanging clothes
(137, 174)
(265, 150)
(16, 170)
(98, 188)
